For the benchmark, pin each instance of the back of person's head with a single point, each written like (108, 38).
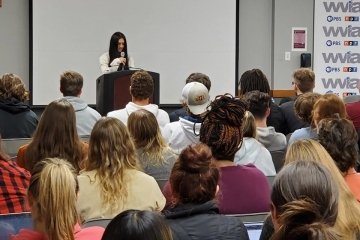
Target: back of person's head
(259, 103)
(139, 225)
(249, 126)
(113, 46)
(55, 136)
(304, 105)
(201, 78)
(304, 79)
(304, 207)
(221, 128)
(327, 106)
(52, 195)
(145, 132)
(142, 85)
(339, 138)
(111, 152)
(194, 177)
(253, 79)
(71, 83)
(11, 86)
(347, 221)
(196, 98)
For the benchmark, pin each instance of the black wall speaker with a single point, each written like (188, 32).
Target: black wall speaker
(305, 60)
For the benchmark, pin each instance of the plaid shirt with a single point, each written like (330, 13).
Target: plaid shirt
(14, 182)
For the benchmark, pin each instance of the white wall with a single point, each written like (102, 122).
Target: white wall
(14, 38)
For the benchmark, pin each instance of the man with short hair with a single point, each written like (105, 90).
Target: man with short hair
(141, 89)
(71, 84)
(259, 106)
(186, 131)
(303, 82)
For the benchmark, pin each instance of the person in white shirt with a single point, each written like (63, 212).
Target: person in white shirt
(141, 89)
(252, 151)
(117, 57)
(186, 131)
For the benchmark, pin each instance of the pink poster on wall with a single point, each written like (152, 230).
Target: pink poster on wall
(299, 39)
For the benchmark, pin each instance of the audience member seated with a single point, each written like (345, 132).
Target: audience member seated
(55, 136)
(194, 77)
(339, 138)
(259, 106)
(184, 132)
(327, 106)
(303, 82)
(14, 182)
(304, 105)
(110, 182)
(155, 156)
(52, 196)
(138, 225)
(304, 207)
(71, 84)
(17, 120)
(347, 222)
(195, 214)
(252, 151)
(243, 189)
(255, 79)
(141, 89)
(352, 104)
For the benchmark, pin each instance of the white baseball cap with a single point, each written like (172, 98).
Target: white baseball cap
(196, 96)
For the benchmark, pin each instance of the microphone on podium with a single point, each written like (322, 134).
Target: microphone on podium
(121, 66)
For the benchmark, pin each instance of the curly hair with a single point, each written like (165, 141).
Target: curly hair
(304, 105)
(339, 138)
(252, 80)
(142, 85)
(258, 102)
(221, 129)
(11, 86)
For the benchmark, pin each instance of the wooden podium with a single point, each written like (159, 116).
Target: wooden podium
(113, 90)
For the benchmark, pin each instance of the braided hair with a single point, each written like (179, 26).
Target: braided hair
(221, 129)
(253, 79)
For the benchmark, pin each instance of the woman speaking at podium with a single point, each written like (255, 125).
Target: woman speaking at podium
(117, 58)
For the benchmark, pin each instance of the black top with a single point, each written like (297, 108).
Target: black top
(17, 120)
(292, 122)
(276, 118)
(203, 221)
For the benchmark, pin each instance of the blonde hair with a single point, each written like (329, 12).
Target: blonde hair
(249, 126)
(348, 221)
(111, 152)
(145, 132)
(53, 193)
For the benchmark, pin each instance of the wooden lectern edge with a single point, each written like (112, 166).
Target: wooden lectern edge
(282, 93)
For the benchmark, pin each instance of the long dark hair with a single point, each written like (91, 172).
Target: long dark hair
(113, 48)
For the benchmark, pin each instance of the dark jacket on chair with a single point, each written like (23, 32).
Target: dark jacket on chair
(204, 222)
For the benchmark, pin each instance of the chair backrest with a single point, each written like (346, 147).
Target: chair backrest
(12, 145)
(251, 217)
(101, 222)
(11, 223)
(278, 158)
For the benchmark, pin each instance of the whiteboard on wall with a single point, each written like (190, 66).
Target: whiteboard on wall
(173, 38)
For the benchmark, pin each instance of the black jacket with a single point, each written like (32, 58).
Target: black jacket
(292, 122)
(16, 119)
(276, 118)
(204, 222)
